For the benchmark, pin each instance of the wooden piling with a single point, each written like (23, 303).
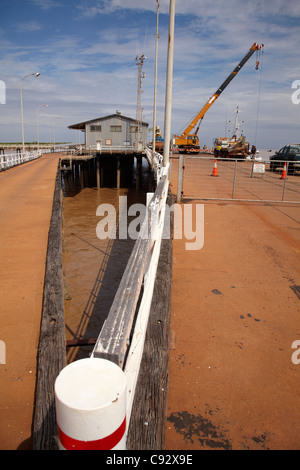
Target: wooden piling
(98, 173)
(138, 172)
(147, 427)
(51, 350)
(80, 166)
(118, 174)
(74, 172)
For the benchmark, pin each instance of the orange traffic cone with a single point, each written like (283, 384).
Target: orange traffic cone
(215, 171)
(283, 174)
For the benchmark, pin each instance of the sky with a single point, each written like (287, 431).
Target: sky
(85, 52)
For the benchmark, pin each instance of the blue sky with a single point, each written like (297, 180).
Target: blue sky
(85, 52)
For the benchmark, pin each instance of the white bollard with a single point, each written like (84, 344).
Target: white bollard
(90, 397)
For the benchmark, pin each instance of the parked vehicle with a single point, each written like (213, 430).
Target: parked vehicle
(289, 154)
(226, 147)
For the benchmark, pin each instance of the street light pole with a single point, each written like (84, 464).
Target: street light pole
(155, 86)
(58, 117)
(23, 143)
(37, 124)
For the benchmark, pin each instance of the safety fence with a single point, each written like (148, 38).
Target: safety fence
(111, 149)
(239, 180)
(97, 416)
(14, 159)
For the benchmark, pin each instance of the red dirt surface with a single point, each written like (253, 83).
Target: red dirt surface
(26, 196)
(235, 314)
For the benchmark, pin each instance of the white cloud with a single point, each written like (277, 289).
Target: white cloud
(204, 9)
(83, 77)
(28, 26)
(45, 4)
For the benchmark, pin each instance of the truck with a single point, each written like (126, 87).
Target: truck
(231, 147)
(159, 141)
(188, 141)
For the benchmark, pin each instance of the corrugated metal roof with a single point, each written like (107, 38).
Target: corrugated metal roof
(81, 125)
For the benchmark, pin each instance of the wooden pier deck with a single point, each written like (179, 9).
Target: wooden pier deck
(26, 196)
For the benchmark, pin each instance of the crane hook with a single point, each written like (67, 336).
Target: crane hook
(259, 53)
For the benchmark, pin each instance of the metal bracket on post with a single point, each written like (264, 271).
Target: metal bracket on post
(179, 182)
(234, 178)
(284, 185)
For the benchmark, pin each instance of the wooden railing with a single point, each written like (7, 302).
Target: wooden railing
(112, 149)
(10, 160)
(156, 162)
(119, 341)
(122, 339)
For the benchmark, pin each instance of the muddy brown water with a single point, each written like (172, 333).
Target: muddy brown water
(93, 267)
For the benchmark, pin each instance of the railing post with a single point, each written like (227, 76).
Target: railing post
(179, 182)
(90, 397)
(234, 178)
(285, 179)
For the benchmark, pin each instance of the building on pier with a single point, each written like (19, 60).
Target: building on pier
(113, 131)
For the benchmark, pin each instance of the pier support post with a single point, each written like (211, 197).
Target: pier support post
(81, 175)
(179, 181)
(138, 171)
(90, 397)
(74, 173)
(118, 173)
(98, 173)
(102, 175)
(86, 167)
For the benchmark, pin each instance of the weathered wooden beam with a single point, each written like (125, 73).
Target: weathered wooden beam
(114, 337)
(51, 350)
(74, 343)
(147, 428)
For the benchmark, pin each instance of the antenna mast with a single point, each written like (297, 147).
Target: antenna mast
(237, 122)
(139, 110)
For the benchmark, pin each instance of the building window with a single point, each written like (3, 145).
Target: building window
(133, 129)
(95, 128)
(115, 128)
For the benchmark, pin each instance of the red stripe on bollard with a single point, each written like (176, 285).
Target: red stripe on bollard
(107, 443)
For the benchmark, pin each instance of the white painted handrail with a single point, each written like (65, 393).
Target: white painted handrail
(158, 162)
(113, 342)
(122, 337)
(110, 148)
(10, 160)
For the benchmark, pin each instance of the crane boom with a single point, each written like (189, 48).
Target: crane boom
(186, 139)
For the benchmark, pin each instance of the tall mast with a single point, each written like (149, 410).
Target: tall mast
(139, 110)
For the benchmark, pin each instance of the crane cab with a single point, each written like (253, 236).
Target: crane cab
(190, 144)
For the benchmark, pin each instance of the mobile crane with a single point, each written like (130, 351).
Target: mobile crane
(188, 142)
